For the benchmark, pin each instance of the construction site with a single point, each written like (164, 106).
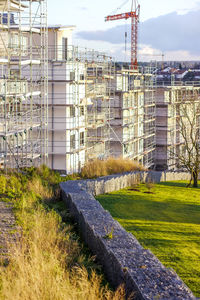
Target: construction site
(23, 83)
(63, 105)
(95, 110)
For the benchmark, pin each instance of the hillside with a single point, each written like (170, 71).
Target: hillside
(48, 261)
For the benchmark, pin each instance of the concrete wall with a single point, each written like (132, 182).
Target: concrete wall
(123, 258)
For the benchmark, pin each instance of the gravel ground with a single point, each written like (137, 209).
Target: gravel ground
(9, 232)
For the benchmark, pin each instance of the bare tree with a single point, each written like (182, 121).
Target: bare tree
(187, 153)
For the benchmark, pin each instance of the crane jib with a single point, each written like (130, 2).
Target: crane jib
(122, 16)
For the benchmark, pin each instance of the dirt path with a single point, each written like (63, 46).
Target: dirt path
(8, 229)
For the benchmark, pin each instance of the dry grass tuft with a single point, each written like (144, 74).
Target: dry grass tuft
(43, 266)
(36, 186)
(47, 263)
(97, 168)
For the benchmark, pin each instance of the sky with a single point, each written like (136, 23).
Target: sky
(170, 27)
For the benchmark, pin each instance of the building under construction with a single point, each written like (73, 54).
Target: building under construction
(80, 91)
(96, 111)
(23, 83)
(133, 125)
(83, 88)
(169, 135)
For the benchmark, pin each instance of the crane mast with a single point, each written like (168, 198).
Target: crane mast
(134, 15)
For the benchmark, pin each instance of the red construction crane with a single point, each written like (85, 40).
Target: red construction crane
(134, 15)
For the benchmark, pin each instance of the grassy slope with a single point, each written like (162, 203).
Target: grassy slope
(167, 222)
(49, 262)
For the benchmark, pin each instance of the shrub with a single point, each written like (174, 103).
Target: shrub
(97, 168)
(13, 187)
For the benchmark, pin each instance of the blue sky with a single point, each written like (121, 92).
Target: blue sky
(171, 26)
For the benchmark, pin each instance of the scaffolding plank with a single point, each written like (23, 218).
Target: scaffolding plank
(36, 93)
(26, 62)
(3, 60)
(26, 29)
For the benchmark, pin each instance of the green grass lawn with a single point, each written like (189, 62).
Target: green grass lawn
(167, 222)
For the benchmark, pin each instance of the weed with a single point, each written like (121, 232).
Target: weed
(109, 234)
(150, 186)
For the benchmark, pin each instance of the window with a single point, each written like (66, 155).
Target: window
(14, 41)
(17, 42)
(82, 139)
(72, 111)
(82, 77)
(72, 76)
(1, 148)
(141, 146)
(141, 100)
(65, 47)
(24, 43)
(72, 142)
(125, 149)
(82, 111)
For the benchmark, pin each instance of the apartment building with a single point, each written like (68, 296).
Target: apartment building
(169, 140)
(79, 102)
(133, 124)
(94, 110)
(23, 83)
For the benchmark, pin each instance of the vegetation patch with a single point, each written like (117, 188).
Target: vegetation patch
(166, 221)
(48, 262)
(97, 168)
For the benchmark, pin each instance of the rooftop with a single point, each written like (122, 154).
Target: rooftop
(59, 26)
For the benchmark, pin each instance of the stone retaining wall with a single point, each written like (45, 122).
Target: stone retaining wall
(108, 184)
(123, 258)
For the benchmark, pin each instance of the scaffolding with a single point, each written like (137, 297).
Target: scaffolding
(100, 89)
(96, 111)
(80, 90)
(133, 126)
(23, 83)
(168, 137)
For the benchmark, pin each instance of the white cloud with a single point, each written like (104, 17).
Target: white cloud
(148, 53)
(181, 55)
(175, 35)
(184, 11)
